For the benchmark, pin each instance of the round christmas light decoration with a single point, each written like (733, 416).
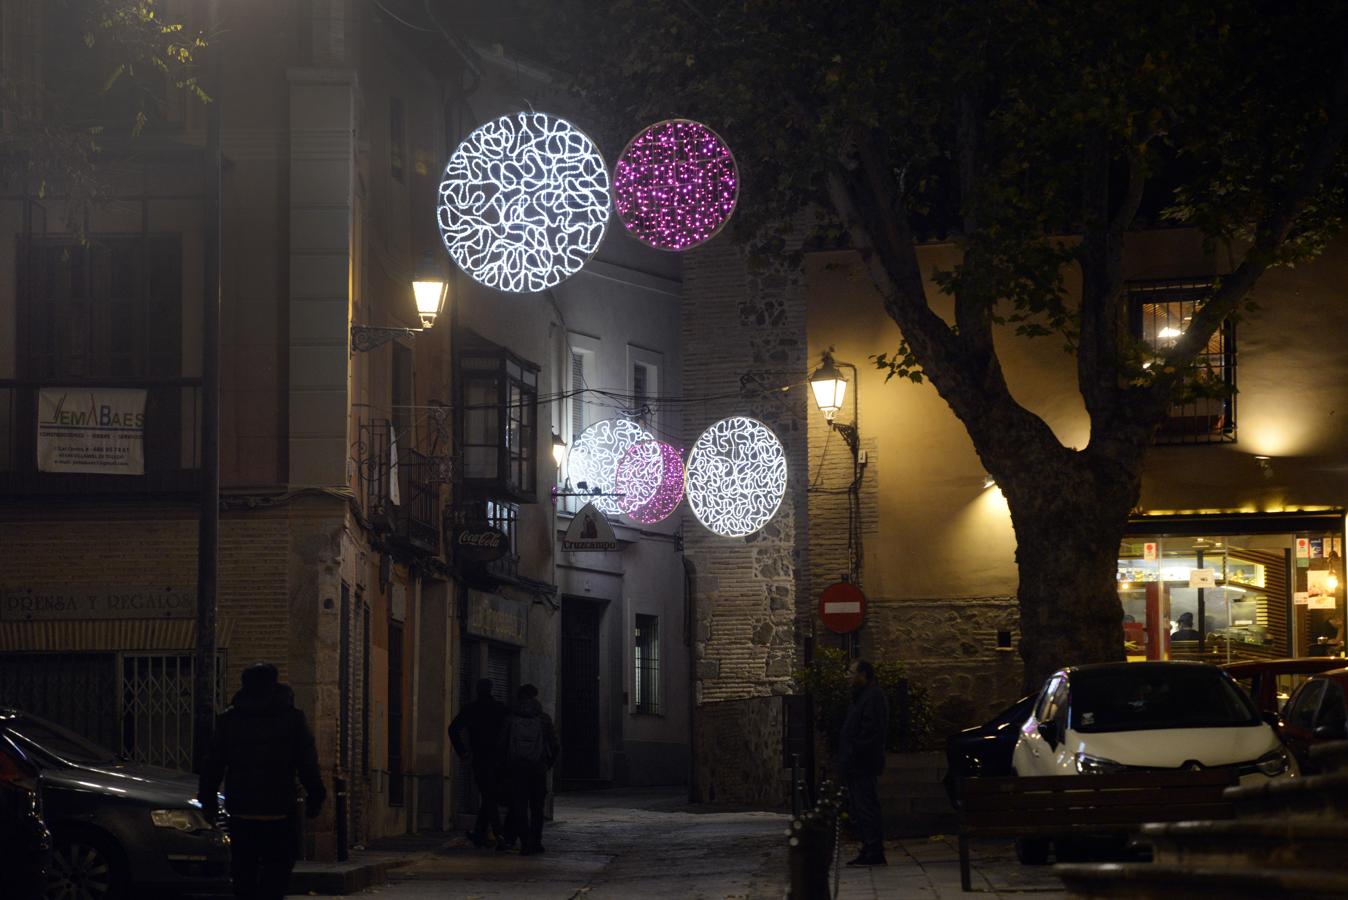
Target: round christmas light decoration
(524, 202)
(736, 476)
(650, 478)
(594, 457)
(675, 185)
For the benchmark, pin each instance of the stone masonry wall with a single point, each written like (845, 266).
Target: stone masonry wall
(743, 339)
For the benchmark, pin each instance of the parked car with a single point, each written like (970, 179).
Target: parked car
(119, 829)
(985, 750)
(1315, 714)
(1147, 716)
(25, 843)
(1270, 682)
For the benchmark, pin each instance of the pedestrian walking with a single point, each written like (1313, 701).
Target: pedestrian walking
(482, 719)
(861, 759)
(529, 743)
(261, 745)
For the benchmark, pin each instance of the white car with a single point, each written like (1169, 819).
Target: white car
(1152, 716)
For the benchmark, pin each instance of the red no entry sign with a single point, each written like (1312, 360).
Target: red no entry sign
(842, 607)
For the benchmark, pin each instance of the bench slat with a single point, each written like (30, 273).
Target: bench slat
(1060, 800)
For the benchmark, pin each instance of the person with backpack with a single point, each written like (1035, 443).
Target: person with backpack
(261, 746)
(529, 745)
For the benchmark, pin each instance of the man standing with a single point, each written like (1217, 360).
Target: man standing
(861, 759)
(261, 745)
(482, 719)
(530, 745)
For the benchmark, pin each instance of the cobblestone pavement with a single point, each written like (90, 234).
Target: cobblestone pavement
(652, 846)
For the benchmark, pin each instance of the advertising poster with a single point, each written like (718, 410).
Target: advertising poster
(99, 431)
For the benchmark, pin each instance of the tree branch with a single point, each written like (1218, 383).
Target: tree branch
(1270, 235)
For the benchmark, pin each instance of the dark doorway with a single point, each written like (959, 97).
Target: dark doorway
(579, 699)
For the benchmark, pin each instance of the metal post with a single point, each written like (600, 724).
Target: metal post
(339, 789)
(208, 528)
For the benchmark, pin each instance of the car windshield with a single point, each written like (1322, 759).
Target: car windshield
(50, 739)
(1144, 697)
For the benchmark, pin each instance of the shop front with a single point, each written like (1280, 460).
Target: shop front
(1229, 588)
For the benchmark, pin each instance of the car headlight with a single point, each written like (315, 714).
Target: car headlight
(180, 819)
(1274, 762)
(1097, 765)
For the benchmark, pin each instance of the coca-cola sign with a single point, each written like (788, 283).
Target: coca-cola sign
(480, 543)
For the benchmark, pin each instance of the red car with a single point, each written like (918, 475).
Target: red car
(1271, 681)
(1316, 714)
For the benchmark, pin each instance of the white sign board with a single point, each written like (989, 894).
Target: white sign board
(1202, 578)
(94, 430)
(589, 531)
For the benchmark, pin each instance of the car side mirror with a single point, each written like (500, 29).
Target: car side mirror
(1049, 732)
(1271, 718)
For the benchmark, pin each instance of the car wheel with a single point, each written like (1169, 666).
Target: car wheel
(85, 867)
(1032, 851)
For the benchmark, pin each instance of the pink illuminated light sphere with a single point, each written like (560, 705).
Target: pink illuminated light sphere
(675, 185)
(650, 478)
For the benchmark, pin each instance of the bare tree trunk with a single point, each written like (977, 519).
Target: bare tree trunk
(1068, 527)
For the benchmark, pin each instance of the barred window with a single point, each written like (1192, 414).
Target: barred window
(1161, 311)
(646, 656)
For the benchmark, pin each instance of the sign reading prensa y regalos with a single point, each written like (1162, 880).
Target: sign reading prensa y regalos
(93, 430)
(63, 603)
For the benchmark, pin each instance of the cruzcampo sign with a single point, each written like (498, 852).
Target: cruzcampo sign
(99, 431)
(589, 532)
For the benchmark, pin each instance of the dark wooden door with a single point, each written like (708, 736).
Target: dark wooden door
(579, 701)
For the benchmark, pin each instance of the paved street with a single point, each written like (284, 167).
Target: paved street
(654, 845)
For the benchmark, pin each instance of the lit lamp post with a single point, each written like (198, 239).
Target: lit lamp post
(558, 450)
(429, 289)
(830, 390)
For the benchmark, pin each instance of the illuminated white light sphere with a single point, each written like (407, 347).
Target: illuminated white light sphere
(594, 457)
(736, 476)
(650, 479)
(524, 202)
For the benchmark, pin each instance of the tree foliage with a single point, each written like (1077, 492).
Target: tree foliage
(109, 69)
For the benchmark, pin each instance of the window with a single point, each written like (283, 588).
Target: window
(497, 422)
(582, 374)
(646, 656)
(1301, 710)
(504, 517)
(110, 308)
(395, 713)
(643, 383)
(397, 146)
(1161, 311)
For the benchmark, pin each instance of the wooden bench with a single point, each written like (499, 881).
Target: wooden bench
(1056, 806)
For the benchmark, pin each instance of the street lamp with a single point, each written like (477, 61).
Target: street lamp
(829, 388)
(429, 288)
(558, 449)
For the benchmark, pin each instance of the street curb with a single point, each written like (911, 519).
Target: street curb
(340, 878)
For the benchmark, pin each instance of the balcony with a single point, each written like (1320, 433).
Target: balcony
(169, 438)
(414, 519)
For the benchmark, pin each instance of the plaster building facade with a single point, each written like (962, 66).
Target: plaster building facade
(344, 478)
(1252, 487)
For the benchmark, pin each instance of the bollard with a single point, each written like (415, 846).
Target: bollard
(339, 789)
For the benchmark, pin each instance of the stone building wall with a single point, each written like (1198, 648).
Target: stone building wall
(743, 340)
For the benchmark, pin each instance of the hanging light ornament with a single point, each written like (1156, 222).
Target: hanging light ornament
(736, 476)
(675, 185)
(650, 478)
(524, 202)
(594, 457)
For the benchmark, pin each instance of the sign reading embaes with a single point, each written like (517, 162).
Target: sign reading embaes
(60, 603)
(95, 430)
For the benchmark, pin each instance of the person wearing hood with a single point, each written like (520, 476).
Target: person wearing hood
(861, 759)
(261, 745)
(529, 746)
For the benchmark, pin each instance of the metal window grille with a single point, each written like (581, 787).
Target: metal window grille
(1161, 311)
(576, 400)
(646, 656)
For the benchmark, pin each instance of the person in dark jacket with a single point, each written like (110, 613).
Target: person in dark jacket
(529, 744)
(482, 720)
(861, 759)
(261, 744)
